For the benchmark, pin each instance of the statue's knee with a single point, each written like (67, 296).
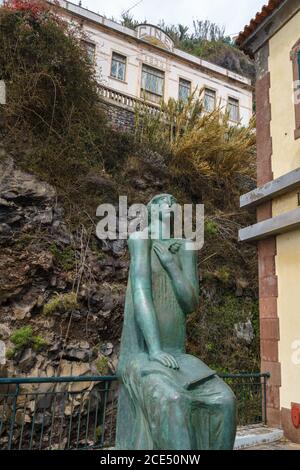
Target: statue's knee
(162, 393)
(172, 397)
(175, 398)
(228, 403)
(226, 400)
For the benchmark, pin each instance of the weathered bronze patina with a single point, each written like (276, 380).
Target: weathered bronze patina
(168, 400)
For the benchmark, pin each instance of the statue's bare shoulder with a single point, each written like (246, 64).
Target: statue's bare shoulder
(138, 241)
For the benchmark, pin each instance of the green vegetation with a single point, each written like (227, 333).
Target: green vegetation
(53, 100)
(54, 127)
(65, 258)
(208, 41)
(24, 338)
(61, 303)
(223, 275)
(98, 433)
(211, 333)
(24, 241)
(10, 354)
(210, 228)
(102, 365)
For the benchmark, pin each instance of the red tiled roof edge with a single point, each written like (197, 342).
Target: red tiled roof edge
(257, 21)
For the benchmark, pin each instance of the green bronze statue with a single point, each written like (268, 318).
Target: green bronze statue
(168, 399)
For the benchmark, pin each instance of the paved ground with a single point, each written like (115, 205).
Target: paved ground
(256, 435)
(280, 445)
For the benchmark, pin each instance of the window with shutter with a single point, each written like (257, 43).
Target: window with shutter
(209, 101)
(233, 109)
(184, 90)
(118, 66)
(153, 82)
(90, 49)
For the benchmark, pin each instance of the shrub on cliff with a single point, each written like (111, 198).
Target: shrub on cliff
(204, 147)
(52, 113)
(207, 40)
(24, 338)
(50, 81)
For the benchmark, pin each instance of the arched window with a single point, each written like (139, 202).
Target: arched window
(295, 57)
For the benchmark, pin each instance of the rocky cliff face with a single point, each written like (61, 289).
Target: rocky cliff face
(62, 290)
(59, 315)
(62, 295)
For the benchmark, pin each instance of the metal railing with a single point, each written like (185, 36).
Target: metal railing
(57, 413)
(61, 413)
(251, 393)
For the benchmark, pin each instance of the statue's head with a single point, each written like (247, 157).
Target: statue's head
(163, 203)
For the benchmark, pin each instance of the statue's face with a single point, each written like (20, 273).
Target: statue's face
(164, 204)
(165, 201)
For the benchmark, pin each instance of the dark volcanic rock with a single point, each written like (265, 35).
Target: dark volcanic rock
(22, 188)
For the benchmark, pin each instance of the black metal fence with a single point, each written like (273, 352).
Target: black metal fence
(80, 412)
(57, 413)
(251, 394)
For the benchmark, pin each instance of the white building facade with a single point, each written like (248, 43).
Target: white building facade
(143, 64)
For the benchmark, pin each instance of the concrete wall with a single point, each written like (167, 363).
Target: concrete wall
(286, 157)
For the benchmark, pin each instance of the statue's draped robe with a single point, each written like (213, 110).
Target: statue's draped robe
(162, 408)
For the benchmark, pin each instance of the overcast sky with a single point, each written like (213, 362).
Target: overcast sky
(233, 14)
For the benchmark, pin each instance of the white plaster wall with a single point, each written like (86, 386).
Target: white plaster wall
(107, 42)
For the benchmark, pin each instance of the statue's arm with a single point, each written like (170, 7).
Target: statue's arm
(144, 310)
(184, 277)
(140, 276)
(189, 263)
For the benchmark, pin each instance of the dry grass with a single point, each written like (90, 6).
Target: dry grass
(201, 144)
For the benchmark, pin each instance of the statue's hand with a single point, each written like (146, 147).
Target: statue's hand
(176, 246)
(165, 359)
(164, 254)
